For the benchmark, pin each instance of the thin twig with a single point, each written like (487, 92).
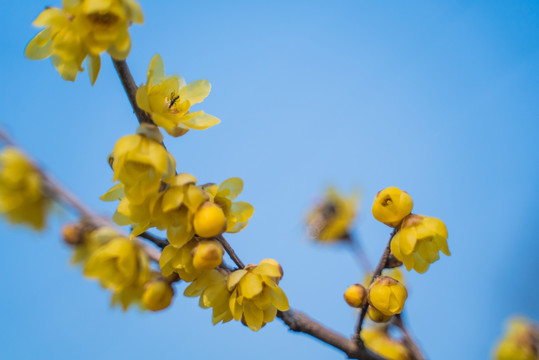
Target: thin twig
(407, 339)
(160, 242)
(230, 251)
(300, 322)
(377, 272)
(130, 89)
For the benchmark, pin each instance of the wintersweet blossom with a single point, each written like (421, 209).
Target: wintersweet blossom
(157, 295)
(520, 341)
(418, 241)
(355, 295)
(179, 261)
(391, 205)
(22, 190)
(212, 288)
(332, 219)
(237, 213)
(168, 99)
(256, 295)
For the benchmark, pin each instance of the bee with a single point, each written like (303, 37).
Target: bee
(173, 99)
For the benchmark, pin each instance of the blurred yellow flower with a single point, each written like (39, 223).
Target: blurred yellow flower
(387, 295)
(391, 205)
(83, 29)
(90, 242)
(520, 341)
(332, 219)
(140, 162)
(237, 213)
(378, 341)
(212, 289)
(168, 100)
(22, 190)
(207, 255)
(127, 296)
(256, 295)
(355, 295)
(418, 241)
(118, 264)
(157, 295)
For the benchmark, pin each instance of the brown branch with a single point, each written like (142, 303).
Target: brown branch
(131, 90)
(407, 339)
(377, 272)
(359, 252)
(160, 242)
(230, 251)
(300, 322)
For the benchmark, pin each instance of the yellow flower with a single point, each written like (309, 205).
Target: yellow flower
(391, 205)
(175, 207)
(127, 296)
(207, 255)
(520, 341)
(256, 295)
(237, 213)
(118, 264)
(332, 220)
(22, 190)
(355, 295)
(140, 162)
(418, 241)
(379, 342)
(104, 25)
(212, 289)
(387, 295)
(90, 242)
(168, 100)
(61, 41)
(157, 295)
(179, 261)
(83, 29)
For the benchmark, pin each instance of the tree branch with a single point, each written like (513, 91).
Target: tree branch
(230, 251)
(160, 242)
(377, 272)
(407, 339)
(130, 89)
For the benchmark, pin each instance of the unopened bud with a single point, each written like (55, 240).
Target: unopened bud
(391, 205)
(355, 296)
(209, 220)
(72, 234)
(157, 295)
(387, 295)
(207, 255)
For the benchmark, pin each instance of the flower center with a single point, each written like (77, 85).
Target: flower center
(172, 99)
(103, 20)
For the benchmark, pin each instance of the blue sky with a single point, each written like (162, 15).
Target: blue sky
(437, 98)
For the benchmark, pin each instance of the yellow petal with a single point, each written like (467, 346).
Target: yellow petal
(115, 193)
(230, 188)
(242, 210)
(234, 278)
(407, 240)
(172, 199)
(94, 64)
(254, 317)
(250, 285)
(202, 121)
(279, 299)
(156, 71)
(195, 92)
(133, 11)
(268, 270)
(40, 47)
(51, 17)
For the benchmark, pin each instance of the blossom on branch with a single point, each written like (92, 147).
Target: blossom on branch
(391, 205)
(84, 29)
(23, 198)
(418, 241)
(168, 99)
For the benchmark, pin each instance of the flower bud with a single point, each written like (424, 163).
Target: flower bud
(387, 295)
(157, 295)
(376, 315)
(209, 220)
(72, 234)
(391, 205)
(207, 255)
(356, 295)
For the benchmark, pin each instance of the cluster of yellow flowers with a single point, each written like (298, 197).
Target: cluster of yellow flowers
(330, 221)
(23, 197)
(521, 341)
(120, 265)
(418, 238)
(84, 29)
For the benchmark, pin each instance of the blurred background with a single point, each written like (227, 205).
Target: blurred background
(437, 98)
